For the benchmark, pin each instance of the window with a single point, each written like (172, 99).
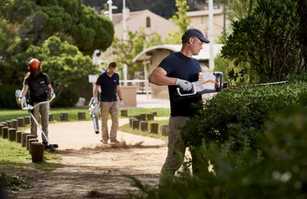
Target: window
(148, 22)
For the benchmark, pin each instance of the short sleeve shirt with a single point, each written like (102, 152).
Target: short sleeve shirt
(108, 86)
(180, 66)
(38, 87)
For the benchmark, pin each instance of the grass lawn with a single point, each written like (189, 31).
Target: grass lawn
(162, 112)
(11, 114)
(12, 153)
(15, 159)
(126, 128)
(72, 112)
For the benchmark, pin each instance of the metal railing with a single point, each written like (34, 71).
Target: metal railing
(142, 85)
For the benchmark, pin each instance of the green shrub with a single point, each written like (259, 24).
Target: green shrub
(240, 114)
(255, 141)
(268, 40)
(67, 98)
(13, 183)
(277, 169)
(7, 96)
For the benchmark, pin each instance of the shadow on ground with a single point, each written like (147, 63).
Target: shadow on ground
(78, 177)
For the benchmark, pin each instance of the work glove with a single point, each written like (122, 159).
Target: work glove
(185, 85)
(23, 101)
(19, 100)
(52, 94)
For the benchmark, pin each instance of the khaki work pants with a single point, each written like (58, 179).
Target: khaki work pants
(176, 149)
(41, 114)
(106, 109)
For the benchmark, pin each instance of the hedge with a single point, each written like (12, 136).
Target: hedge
(239, 114)
(7, 96)
(279, 171)
(255, 139)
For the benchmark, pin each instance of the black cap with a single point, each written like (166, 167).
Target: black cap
(193, 33)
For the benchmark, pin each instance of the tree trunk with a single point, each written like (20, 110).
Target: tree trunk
(302, 9)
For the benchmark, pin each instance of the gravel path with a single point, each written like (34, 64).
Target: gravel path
(89, 169)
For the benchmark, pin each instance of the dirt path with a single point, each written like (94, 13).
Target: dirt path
(88, 168)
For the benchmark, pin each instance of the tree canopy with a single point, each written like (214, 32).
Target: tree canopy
(127, 50)
(39, 19)
(64, 64)
(267, 39)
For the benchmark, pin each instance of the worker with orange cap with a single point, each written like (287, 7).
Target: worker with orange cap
(40, 89)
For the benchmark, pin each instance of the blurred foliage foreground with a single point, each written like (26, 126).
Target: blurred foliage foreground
(254, 138)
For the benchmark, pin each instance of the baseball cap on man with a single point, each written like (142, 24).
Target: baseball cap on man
(193, 33)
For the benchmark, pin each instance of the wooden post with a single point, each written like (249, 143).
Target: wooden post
(18, 136)
(150, 116)
(21, 122)
(135, 124)
(30, 141)
(28, 137)
(14, 124)
(4, 124)
(131, 121)
(1, 126)
(5, 132)
(154, 128)
(64, 117)
(164, 130)
(124, 113)
(27, 120)
(24, 139)
(37, 151)
(143, 117)
(9, 123)
(144, 126)
(12, 134)
(51, 118)
(81, 116)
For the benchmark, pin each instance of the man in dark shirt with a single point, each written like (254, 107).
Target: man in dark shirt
(108, 83)
(40, 89)
(179, 69)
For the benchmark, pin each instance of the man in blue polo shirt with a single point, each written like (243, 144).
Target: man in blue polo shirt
(108, 83)
(178, 70)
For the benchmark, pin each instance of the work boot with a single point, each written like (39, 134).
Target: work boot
(115, 141)
(104, 141)
(50, 147)
(45, 143)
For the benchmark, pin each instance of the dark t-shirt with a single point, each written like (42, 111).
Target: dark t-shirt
(38, 87)
(180, 66)
(108, 86)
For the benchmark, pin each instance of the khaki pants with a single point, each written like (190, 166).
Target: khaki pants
(40, 113)
(176, 149)
(106, 109)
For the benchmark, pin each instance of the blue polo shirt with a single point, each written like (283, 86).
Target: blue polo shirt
(108, 87)
(178, 65)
